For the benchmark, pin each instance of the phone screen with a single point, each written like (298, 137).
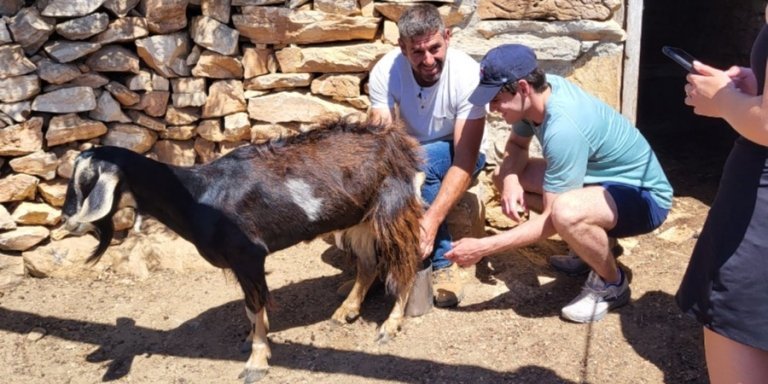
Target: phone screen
(680, 56)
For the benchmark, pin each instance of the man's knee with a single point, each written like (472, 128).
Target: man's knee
(567, 212)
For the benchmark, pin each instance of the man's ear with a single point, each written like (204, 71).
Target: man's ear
(447, 35)
(401, 44)
(523, 87)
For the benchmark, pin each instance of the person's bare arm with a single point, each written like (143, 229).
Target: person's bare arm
(468, 251)
(468, 136)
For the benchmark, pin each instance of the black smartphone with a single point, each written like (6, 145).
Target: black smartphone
(680, 56)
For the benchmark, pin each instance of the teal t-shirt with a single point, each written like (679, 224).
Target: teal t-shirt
(585, 141)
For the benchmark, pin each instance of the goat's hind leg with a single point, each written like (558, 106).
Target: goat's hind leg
(358, 239)
(397, 222)
(394, 322)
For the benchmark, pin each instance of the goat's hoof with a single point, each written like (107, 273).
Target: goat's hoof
(387, 331)
(383, 337)
(342, 322)
(345, 316)
(250, 375)
(351, 317)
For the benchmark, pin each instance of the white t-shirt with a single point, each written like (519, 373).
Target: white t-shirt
(429, 112)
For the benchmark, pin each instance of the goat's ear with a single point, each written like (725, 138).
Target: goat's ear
(99, 202)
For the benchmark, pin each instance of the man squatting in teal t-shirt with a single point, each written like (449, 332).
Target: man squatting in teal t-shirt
(598, 179)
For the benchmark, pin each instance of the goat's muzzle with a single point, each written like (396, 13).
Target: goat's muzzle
(103, 230)
(71, 228)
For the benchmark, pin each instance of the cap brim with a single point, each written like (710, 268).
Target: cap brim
(484, 93)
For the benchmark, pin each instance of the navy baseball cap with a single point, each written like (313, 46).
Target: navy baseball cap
(505, 63)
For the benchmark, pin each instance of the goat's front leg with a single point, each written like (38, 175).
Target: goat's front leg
(394, 322)
(349, 310)
(256, 367)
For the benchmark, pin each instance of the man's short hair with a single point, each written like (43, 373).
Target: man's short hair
(537, 79)
(419, 20)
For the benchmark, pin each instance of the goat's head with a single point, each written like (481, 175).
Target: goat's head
(90, 200)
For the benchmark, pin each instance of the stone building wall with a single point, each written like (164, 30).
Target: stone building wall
(185, 81)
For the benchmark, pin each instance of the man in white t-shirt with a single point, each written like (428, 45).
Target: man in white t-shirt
(427, 85)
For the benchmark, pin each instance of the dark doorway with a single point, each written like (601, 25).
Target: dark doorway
(691, 148)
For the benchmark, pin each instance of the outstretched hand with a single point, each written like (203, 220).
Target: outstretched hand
(468, 251)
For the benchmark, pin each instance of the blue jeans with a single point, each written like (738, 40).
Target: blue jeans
(438, 159)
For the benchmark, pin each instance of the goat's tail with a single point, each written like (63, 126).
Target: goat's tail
(396, 225)
(395, 216)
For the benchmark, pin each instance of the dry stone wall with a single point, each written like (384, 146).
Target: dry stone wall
(185, 81)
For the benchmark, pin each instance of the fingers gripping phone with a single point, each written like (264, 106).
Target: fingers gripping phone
(681, 57)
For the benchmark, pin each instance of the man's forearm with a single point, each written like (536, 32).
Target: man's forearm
(454, 185)
(514, 162)
(537, 228)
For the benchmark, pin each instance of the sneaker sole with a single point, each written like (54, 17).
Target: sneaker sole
(619, 302)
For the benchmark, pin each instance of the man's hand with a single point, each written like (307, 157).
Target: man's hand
(468, 251)
(427, 236)
(513, 198)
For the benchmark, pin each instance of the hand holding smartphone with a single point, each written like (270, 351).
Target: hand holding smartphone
(681, 57)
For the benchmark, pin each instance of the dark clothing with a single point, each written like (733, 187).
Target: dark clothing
(758, 58)
(726, 284)
(638, 211)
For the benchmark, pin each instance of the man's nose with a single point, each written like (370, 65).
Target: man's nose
(429, 59)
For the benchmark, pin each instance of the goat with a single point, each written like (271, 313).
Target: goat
(345, 175)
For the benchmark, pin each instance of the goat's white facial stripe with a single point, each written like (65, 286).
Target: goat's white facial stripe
(83, 171)
(301, 194)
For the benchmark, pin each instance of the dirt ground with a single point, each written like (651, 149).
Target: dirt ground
(188, 327)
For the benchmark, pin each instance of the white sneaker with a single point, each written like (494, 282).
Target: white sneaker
(572, 265)
(596, 298)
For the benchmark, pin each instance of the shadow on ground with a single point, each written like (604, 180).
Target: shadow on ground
(121, 343)
(653, 324)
